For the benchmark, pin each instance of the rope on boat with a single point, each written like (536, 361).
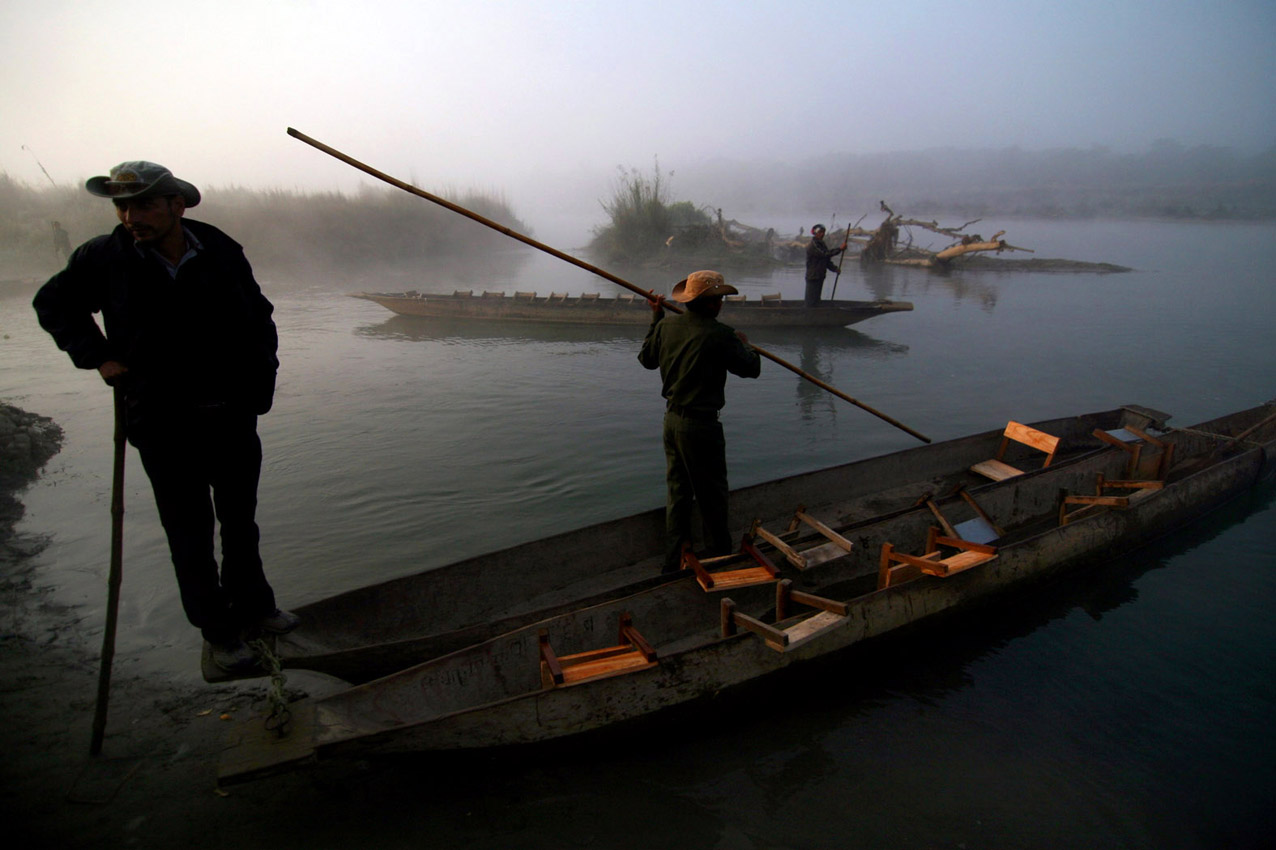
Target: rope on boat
(279, 716)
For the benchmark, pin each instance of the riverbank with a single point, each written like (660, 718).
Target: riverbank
(154, 782)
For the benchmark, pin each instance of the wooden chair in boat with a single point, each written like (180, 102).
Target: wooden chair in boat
(1132, 441)
(774, 299)
(494, 294)
(761, 571)
(981, 528)
(835, 547)
(1016, 432)
(560, 297)
(463, 293)
(1083, 506)
(632, 653)
(826, 614)
(737, 298)
(589, 296)
(897, 567)
(525, 296)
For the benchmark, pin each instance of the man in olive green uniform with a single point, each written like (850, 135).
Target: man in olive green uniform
(694, 352)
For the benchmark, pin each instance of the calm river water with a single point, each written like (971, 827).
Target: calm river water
(1128, 707)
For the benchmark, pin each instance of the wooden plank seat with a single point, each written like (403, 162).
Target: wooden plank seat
(494, 294)
(827, 614)
(897, 567)
(632, 653)
(981, 528)
(737, 298)
(773, 299)
(557, 296)
(835, 547)
(998, 470)
(761, 571)
(525, 296)
(589, 296)
(463, 293)
(1083, 506)
(1133, 440)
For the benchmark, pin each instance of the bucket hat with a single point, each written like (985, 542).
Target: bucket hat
(701, 284)
(141, 179)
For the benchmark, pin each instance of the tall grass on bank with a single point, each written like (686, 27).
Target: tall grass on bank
(288, 231)
(642, 219)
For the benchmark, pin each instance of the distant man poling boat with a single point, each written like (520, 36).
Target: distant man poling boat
(819, 262)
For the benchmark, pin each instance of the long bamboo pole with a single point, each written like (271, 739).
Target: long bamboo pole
(589, 267)
(846, 240)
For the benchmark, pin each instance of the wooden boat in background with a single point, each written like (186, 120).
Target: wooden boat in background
(580, 631)
(626, 309)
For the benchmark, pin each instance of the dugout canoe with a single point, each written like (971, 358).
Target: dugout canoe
(620, 653)
(591, 309)
(375, 630)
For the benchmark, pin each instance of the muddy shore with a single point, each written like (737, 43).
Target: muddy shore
(154, 783)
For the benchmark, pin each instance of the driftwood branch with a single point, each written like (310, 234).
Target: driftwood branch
(883, 243)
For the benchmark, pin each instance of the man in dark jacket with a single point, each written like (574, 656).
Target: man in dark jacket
(694, 352)
(188, 338)
(819, 262)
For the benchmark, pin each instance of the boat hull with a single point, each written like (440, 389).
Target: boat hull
(375, 630)
(578, 310)
(493, 694)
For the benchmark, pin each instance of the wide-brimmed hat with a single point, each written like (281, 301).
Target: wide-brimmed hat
(141, 179)
(701, 284)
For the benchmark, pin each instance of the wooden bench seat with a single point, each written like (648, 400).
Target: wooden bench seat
(1133, 441)
(897, 567)
(978, 529)
(828, 614)
(998, 470)
(836, 547)
(762, 570)
(631, 654)
(1083, 506)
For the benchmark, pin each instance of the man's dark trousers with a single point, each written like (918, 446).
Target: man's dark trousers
(187, 456)
(696, 474)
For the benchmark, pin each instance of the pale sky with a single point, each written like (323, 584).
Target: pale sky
(507, 95)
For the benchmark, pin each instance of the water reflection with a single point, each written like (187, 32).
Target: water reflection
(889, 282)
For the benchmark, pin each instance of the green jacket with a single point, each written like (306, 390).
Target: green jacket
(694, 354)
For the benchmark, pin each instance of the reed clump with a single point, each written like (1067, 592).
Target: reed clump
(279, 228)
(647, 228)
(643, 223)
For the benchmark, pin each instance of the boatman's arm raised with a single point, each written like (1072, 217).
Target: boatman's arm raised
(649, 356)
(742, 359)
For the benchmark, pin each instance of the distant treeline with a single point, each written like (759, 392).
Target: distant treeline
(1169, 180)
(280, 230)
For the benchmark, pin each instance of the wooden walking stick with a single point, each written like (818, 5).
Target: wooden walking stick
(540, 246)
(113, 581)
